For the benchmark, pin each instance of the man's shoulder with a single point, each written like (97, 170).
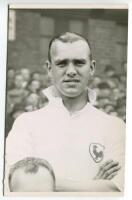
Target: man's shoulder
(34, 115)
(112, 127)
(106, 118)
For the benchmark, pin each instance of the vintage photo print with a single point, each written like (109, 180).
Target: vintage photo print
(65, 100)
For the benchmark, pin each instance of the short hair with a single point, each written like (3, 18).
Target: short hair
(24, 68)
(115, 76)
(31, 165)
(108, 68)
(68, 37)
(103, 85)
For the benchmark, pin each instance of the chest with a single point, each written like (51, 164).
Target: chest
(75, 148)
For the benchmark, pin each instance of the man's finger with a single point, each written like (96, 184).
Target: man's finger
(106, 168)
(112, 175)
(110, 166)
(114, 169)
(102, 166)
(111, 171)
(106, 163)
(99, 174)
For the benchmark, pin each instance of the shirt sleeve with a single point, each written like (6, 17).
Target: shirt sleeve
(116, 150)
(17, 145)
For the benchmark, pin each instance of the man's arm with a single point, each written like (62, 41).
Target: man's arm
(101, 183)
(116, 149)
(86, 186)
(17, 146)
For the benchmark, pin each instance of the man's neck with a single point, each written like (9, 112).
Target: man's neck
(75, 103)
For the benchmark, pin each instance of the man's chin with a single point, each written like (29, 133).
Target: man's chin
(71, 94)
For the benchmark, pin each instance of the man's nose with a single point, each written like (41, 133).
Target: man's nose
(71, 70)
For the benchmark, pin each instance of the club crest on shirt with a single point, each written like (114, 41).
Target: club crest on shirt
(96, 151)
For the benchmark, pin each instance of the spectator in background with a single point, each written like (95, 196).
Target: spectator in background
(109, 108)
(10, 73)
(32, 102)
(34, 86)
(123, 76)
(25, 72)
(95, 82)
(116, 79)
(18, 93)
(109, 71)
(124, 67)
(121, 108)
(117, 94)
(35, 76)
(16, 111)
(10, 78)
(105, 90)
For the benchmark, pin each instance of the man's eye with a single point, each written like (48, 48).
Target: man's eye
(79, 62)
(61, 64)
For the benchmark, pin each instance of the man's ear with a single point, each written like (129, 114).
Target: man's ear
(48, 65)
(92, 67)
(49, 69)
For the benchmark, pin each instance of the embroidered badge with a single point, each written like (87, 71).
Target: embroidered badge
(96, 151)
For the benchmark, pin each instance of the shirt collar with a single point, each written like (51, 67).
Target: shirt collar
(52, 94)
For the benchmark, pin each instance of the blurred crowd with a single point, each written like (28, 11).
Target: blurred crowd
(110, 89)
(24, 92)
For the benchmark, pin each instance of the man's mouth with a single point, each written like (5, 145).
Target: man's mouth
(71, 81)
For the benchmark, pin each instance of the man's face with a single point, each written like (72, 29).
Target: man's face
(70, 67)
(32, 99)
(18, 81)
(35, 85)
(26, 74)
(11, 74)
(36, 76)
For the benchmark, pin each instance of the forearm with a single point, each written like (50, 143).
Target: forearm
(87, 186)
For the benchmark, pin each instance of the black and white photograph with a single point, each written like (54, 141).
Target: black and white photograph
(65, 113)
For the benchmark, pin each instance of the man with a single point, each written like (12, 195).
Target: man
(84, 145)
(18, 93)
(31, 175)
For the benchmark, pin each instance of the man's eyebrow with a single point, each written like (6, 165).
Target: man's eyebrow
(59, 61)
(80, 60)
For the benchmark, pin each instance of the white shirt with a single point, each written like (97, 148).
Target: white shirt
(75, 145)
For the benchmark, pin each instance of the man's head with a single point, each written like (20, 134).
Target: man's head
(10, 73)
(70, 64)
(18, 81)
(34, 85)
(25, 73)
(105, 90)
(36, 76)
(109, 70)
(32, 102)
(31, 175)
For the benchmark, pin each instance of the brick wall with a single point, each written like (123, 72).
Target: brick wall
(108, 40)
(24, 51)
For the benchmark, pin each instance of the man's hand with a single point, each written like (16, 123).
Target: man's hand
(108, 170)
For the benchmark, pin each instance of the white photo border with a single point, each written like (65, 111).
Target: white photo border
(3, 58)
